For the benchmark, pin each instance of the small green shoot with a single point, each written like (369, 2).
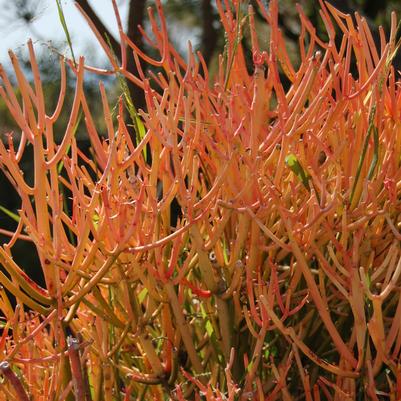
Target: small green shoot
(295, 166)
(65, 28)
(139, 127)
(371, 128)
(142, 295)
(10, 214)
(238, 39)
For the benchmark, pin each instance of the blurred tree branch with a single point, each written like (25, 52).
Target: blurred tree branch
(209, 32)
(136, 12)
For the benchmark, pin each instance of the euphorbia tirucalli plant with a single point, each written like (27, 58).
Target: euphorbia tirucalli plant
(281, 278)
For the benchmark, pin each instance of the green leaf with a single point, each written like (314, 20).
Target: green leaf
(249, 367)
(64, 24)
(138, 124)
(142, 295)
(238, 38)
(136, 119)
(373, 164)
(267, 354)
(10, 214)
(375, 158)
(140, 127)
(95, 219)
(292, 162)
(226, 253)
(209, 328)
(208, 325)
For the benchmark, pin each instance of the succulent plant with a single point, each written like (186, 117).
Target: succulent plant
(281, 278)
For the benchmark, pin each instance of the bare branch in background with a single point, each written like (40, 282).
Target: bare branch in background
(136, 11)
(100, 26)
(136, 14)
(209, 32)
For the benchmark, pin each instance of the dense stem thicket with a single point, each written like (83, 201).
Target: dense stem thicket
(281, 278)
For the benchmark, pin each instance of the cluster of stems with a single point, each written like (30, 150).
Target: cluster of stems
(281, 274)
